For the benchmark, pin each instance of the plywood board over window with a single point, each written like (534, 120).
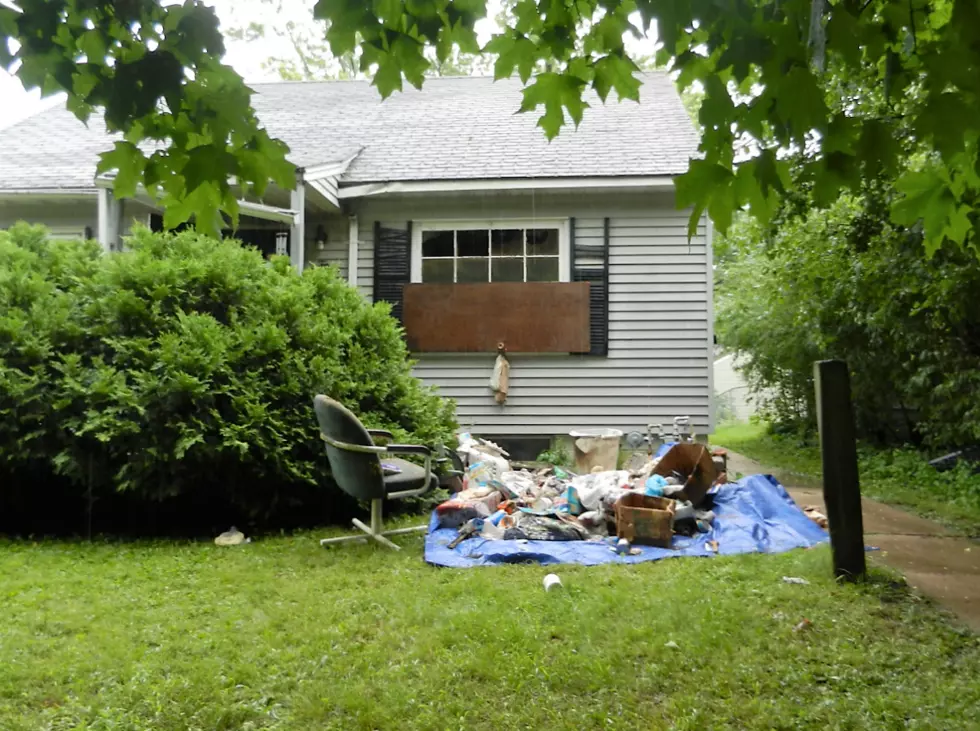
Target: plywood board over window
(527, 317)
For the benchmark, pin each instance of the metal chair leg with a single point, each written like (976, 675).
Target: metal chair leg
(343, 539)
(375, 530)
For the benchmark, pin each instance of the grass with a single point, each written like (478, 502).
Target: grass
(281, 634)
(898, 476)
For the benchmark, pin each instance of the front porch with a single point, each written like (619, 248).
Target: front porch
(307, 224)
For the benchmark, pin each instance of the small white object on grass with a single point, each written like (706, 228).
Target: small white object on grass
(231, 537)
(672, 645)
(551, 581)
(794, 580)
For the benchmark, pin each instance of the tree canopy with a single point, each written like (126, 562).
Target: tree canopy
(848, 89)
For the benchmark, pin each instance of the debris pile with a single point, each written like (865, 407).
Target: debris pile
(666, 495)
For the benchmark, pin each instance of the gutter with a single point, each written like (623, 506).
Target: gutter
(255, 210)
(652, 182)
(19, 194)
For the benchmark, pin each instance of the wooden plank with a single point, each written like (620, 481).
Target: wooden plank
(528, 317)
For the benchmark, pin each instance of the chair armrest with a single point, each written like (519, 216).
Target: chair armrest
(380, 434)
(409, 449)
(441, 461)
(362, 448)
(417, 449)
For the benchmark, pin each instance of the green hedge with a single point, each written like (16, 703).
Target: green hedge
(843, 282)
(174, 382)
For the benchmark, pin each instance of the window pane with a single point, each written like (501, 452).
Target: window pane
(472, 243)
(507, 242)
(542, 269)
(472, 270)
(542, 241)
(437, 270)
(437, 243)
(507, 270)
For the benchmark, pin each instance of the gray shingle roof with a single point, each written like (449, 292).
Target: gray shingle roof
(455, 128)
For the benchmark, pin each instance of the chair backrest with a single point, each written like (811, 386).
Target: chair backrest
(357, 473)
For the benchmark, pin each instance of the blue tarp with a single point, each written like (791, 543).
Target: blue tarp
(753, 515)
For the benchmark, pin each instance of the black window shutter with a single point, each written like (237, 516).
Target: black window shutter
(590, 263)
(392, 265)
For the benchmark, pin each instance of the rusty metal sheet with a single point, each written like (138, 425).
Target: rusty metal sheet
(528, 317)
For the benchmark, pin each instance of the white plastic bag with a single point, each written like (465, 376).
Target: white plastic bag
(591, 488)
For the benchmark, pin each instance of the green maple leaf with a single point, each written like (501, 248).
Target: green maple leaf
(444, 45)
(706, 185)
(926, 197)
(756, 183)
(388, 77)
(203, 204)
(799, 101)
(205, 163)
(128, 162)
(389, 11)
(346, 19)
(608, 32)
(616, 71)
(528, 16)
(411, 60)
(93, 45)
(945, 118)
(512, 52)
(959, 225)
(457, 32)
(877, 148)
(556, 93)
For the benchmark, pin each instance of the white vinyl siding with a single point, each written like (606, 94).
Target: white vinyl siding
(659, 359)
(57, 215)
(334, 252)
(68, 217)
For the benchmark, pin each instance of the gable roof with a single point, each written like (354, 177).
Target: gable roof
(455, 128)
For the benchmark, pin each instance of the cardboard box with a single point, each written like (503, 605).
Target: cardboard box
(694, 463)
(645, 520)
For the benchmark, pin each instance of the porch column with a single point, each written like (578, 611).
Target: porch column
(352, 252)
(110, 213)
(297, 233)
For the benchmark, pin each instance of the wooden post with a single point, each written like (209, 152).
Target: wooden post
(838, 447)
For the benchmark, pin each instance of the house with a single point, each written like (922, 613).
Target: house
(733, 400)
(460, 213)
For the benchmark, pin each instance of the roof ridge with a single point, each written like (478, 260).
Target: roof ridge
(297, 82)
(428, 79)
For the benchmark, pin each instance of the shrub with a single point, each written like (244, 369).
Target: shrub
(173, 383)
(843, 282)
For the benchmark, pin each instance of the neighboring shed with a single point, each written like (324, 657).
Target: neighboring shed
(460, 213)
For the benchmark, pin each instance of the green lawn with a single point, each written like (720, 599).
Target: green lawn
(898, 476)
(281, 634)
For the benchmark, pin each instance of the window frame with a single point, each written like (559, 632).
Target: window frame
(562, 224)
(67, 233)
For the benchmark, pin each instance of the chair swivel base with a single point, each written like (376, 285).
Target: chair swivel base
(374, 530)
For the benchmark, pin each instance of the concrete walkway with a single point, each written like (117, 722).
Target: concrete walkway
(941, 565)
